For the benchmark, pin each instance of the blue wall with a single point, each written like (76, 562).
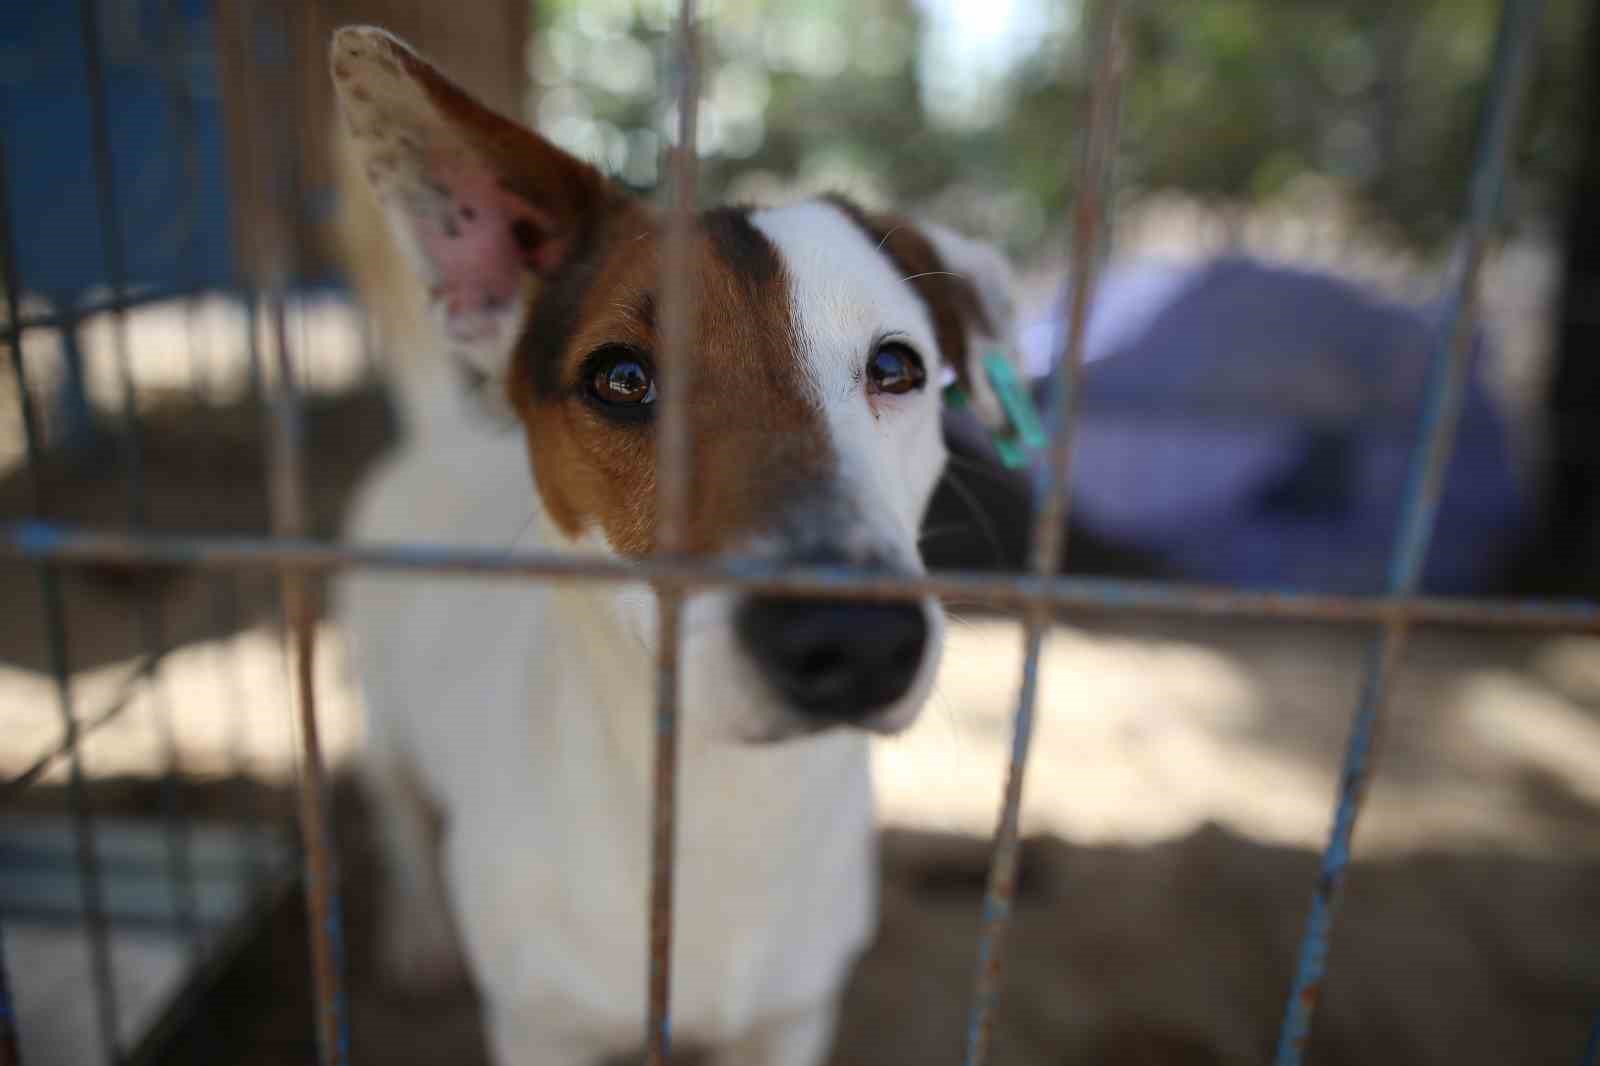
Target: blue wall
(174, 224)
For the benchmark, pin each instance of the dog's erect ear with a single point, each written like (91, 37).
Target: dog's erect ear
(967, 288)
(483, 207)
(982, 298)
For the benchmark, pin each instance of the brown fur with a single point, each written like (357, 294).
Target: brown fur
(756, 427)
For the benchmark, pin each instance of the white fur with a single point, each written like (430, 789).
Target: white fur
(522, 713)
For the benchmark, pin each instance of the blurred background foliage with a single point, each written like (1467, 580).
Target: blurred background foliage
(969, 111)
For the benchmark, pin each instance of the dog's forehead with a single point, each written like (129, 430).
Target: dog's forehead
(844, 291)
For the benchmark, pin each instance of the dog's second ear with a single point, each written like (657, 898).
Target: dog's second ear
(483, 207)
(980, 299)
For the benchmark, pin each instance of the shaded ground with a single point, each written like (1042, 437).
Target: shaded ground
(1173, 953)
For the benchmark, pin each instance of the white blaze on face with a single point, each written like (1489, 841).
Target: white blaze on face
(847, 297)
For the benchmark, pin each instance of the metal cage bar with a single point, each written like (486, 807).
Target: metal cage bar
(278, 234)
(51, 542)
(324, 911)
(1519, 19)
(109, 304)
(1049, 531)
(678, 310)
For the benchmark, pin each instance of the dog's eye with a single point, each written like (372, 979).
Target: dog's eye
(895, 369)
(620, 380)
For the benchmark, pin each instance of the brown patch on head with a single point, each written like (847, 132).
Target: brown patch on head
(951, 299)
(742, 248)
(756, 426)
(534, 262)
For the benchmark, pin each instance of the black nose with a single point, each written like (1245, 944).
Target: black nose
(835, 659)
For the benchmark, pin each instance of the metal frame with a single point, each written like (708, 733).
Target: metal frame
(1037, 595)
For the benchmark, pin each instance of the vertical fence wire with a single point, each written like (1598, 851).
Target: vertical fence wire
(91, 890)
(324, 917)
(1445, 389)
(1049, 532)
(678, 300)
(267, 51)
(152, 640)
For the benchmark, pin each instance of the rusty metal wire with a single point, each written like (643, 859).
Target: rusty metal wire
(44, 541)
(1049, 532)
(286, 479)
(325, 919)
(678, 300)
(1519, 22)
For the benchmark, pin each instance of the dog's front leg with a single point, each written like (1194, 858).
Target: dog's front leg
(800, 1039)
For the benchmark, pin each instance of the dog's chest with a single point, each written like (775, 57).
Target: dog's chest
(775, 890)
(537, 744)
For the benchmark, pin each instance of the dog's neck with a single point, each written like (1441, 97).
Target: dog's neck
(608, 671)
(608, 668)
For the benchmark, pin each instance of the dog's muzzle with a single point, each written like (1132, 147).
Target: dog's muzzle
(834, 662)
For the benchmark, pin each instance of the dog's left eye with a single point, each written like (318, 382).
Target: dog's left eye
(620, 381)
(895, 369)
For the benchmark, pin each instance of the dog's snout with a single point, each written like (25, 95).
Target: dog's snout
(835, 659)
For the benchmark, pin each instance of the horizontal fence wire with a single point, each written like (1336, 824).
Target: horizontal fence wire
(678, 300)
(1049, 532)
(63, 318)
(1446, 387)
(51, 542)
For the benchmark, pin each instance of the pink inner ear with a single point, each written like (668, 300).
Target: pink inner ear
(480, 239)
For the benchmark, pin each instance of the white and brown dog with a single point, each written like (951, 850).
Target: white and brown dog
(519, 714)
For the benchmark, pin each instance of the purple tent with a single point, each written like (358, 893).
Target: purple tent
(1253, 424)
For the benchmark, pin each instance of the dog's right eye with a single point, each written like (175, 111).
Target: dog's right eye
(620, 381)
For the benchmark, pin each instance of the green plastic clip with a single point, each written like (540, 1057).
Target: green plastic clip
(1024, 432)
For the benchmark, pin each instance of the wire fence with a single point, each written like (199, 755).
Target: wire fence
(1038, 594)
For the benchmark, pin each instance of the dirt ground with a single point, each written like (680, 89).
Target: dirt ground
(1172, 953)
(1179, 786)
